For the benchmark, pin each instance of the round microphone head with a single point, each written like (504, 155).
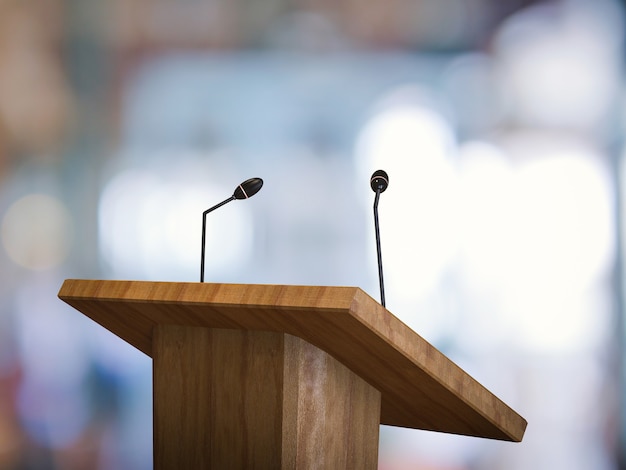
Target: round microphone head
(248, 188)
(379, 181)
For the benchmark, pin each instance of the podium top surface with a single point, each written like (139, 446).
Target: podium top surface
(421, 388)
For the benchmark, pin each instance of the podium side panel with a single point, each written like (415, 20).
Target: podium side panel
(217, 398)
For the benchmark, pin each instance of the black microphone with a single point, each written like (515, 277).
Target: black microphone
(245, 190)
(379, 182)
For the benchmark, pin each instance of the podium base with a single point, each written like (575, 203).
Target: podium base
(255, 399)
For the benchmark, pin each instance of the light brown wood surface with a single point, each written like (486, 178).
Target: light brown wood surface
(256, 399)
(420, 387)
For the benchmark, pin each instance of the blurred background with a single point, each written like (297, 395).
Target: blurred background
(500, 124)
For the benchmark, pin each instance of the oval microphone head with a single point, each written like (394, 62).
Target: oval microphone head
(248, 188)
(379, 181)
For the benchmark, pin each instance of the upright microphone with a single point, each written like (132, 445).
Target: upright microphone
(379, 182)
(245, 190)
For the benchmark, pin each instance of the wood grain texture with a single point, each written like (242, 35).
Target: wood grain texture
(264, 400)
(421, 388)
(337, 413)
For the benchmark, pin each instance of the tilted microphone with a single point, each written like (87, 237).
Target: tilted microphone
(245, 190)
(379, 182)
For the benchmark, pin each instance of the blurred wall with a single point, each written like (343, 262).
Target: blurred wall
(499, 123)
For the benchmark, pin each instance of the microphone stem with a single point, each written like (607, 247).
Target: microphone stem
(232, 198)
(380, 258)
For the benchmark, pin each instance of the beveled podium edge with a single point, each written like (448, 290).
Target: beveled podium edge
(190, 287)
(436, 364)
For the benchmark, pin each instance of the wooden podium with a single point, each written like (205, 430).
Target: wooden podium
(271, 376)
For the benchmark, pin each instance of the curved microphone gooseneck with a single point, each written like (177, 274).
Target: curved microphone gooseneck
(379, 182)
(245, 190)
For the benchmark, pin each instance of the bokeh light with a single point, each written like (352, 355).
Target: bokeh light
(558, 64)
(539, 234)
(37, 231)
